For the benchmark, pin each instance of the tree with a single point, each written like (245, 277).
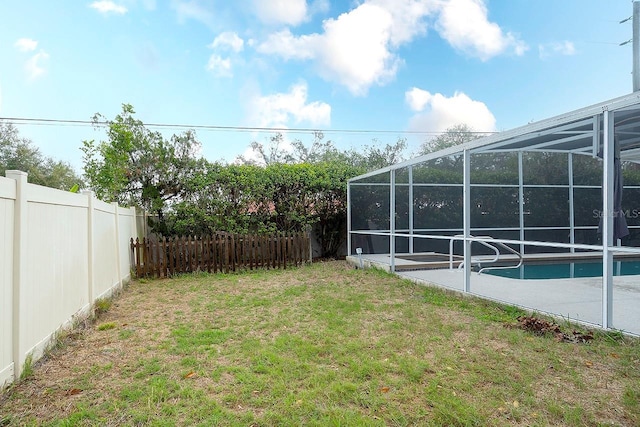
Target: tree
(285, 190)
(319, 151)
(307, 184)
(257, 199)
(375, 156)
(232, 198)
(330, 204)
(455, 135)
(298, 152)
(17, 153)
(273, 153)
(368, 158)
(138, 167)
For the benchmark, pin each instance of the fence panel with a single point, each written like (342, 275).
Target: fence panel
(104, 243)
(126, 229)
(221, 252)
(56, 241)
(59, 251)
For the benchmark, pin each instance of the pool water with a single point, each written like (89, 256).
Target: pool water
(566, 270)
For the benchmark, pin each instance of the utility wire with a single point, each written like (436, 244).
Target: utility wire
(59, 122)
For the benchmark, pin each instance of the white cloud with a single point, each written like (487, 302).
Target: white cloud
(228, 40)
(408, 17)
(464, 25)
(26, 45)
(287, 12)
(192, 9)
(249, 156)
(219, 66)
(353, 50)
(417, 98)
(288, 46)
(436, 112)
(358, 49)
(280, 109)
(107, 6)
(556, 48)
(35, 66)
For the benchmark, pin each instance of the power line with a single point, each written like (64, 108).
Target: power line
(597, 42)
(61, 122)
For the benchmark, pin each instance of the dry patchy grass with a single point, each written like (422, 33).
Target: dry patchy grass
(321, 345)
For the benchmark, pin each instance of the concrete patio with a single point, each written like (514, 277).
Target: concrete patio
(578, 299)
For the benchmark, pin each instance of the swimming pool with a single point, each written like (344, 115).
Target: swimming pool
(567, 270)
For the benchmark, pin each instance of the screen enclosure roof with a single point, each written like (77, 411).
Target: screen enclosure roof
(578, 132)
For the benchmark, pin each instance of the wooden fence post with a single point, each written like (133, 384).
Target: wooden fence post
(214, 252)
(133, 255)
(198, 254)
(233, 252)
(281, 244)
(207, 251)
(157, 263)
(145, 256)
(179, 254)
(189, 253)
(138, 266)
(264, 250)
(162, 257)
(193, 246)
(226, 253)
(249, 250)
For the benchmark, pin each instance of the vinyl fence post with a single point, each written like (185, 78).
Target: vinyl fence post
(19, 267)
(90, 254)
(117, 248)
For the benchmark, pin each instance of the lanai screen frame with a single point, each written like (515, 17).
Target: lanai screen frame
(588, 131)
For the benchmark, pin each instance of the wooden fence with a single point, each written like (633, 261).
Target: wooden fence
(221, 252)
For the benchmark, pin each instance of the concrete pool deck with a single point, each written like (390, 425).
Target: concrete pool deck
(578, 299)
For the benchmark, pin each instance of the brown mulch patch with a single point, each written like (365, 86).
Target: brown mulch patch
(540, 327)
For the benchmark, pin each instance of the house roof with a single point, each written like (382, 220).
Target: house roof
(574, 132)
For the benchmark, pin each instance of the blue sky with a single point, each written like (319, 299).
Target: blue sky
(371, 65)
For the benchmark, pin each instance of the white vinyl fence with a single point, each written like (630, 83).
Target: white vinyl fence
(59, 253)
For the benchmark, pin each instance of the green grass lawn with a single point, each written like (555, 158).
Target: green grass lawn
(322, 345)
